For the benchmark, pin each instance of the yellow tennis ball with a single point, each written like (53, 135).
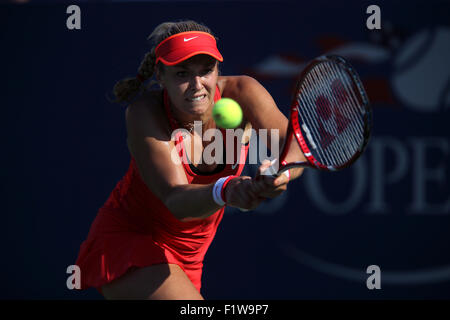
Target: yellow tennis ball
(227, 113)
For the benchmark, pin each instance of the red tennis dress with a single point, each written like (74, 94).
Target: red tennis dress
(135, 229)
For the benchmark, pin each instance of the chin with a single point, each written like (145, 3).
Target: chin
(199, 111)
(198, 108)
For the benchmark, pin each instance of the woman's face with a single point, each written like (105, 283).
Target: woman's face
(191, 85)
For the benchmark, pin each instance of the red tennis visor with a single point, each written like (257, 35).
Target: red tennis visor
(184, 45)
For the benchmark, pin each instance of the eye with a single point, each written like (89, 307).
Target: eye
(181, 74)
(207, 71)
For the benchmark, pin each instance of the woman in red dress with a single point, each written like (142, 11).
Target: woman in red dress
(149, 239)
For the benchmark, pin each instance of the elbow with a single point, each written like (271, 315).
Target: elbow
(172, 203)
(184, 206)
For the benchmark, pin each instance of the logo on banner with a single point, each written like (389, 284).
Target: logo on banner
(419, 81)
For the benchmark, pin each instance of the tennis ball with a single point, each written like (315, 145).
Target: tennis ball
(227, 113)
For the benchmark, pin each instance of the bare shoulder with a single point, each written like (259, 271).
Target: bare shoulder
(248, 92)
(235, 86)
(146, 105)
(257, 104)
(147, 113)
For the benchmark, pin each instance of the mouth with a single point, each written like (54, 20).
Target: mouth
(197, 98)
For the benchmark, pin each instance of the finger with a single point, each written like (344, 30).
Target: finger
(247, 196)
(263, 169)
(244, 194)
(266, 184)
(273, 193)
(248, 187)
(258, 185)
(282, 179)
(264, 166)
(269, 180)
(248, 202)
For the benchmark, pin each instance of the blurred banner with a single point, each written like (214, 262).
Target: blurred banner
(65, 146)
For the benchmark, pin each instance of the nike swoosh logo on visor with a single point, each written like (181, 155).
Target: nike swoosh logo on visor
(186, 40)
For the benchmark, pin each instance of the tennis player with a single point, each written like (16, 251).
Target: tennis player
(149, 239)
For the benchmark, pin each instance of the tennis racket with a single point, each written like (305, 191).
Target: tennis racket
(330, 117)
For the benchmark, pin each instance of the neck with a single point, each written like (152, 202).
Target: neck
(187, 122)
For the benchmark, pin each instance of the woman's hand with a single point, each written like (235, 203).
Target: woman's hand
(247, 193)
(239, 193)
(266, 185)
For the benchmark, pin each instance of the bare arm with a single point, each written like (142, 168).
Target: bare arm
(257, 104)
(261, 110)
(149, 142)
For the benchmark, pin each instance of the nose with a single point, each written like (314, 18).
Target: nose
(196, 83)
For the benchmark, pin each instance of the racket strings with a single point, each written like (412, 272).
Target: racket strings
(343, 142)
(330, 108)
(345, 117)
(307, 100)
(316, 90)
(337, 147)
(325, 157)
(352, 108)
(345, 108)
(355, 101)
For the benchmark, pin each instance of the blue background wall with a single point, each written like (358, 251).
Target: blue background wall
(64, 146)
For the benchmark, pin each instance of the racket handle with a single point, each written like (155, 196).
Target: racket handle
(291, 166)
(285, 172)
(282, 171)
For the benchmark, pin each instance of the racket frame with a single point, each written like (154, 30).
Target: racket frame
(294, 128)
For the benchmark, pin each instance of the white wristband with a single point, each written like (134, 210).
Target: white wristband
(217, 190)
